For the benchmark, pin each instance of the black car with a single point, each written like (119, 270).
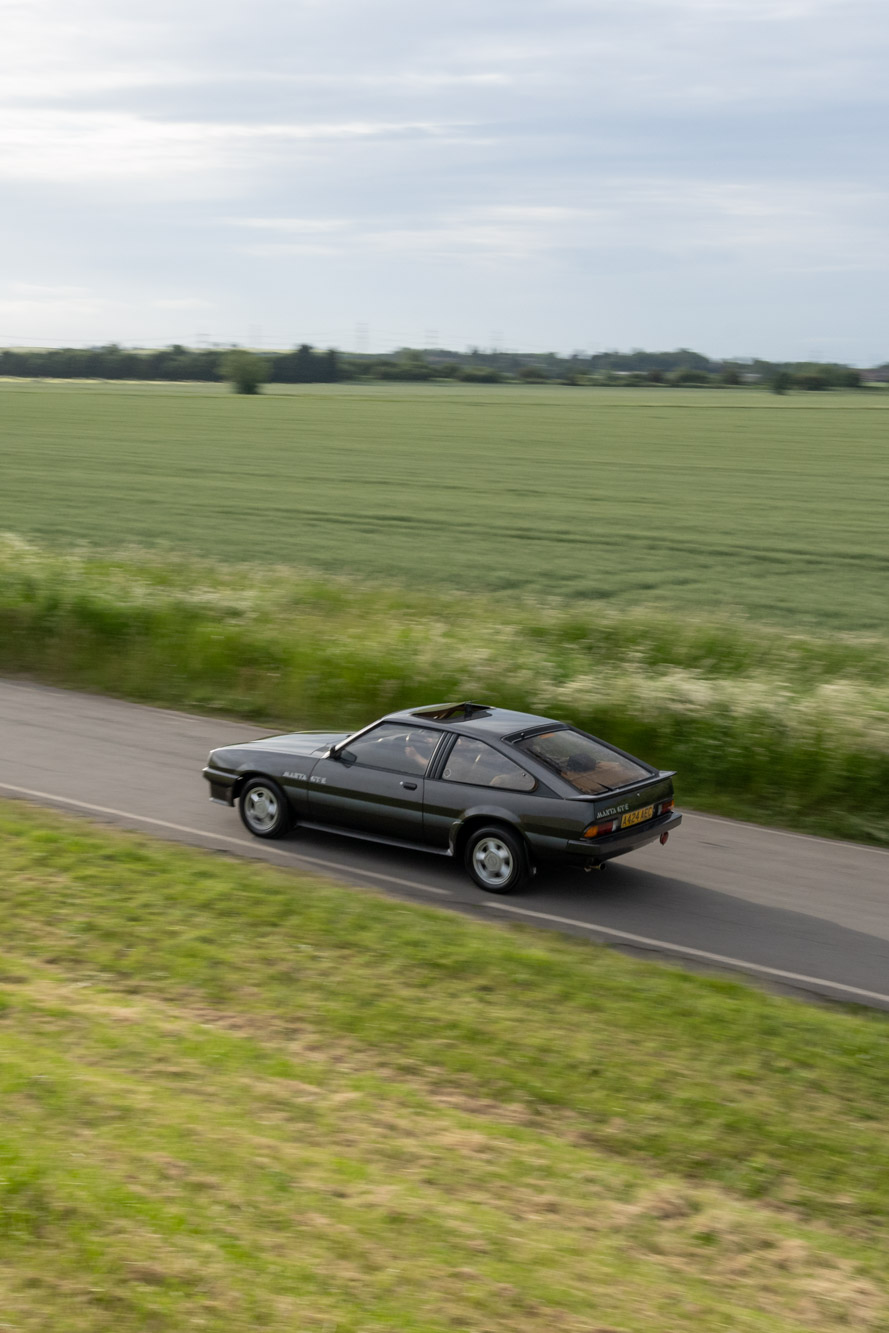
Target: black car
(504, 791)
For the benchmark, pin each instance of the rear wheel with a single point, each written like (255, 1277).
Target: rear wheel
(264, 809)
(496, 859)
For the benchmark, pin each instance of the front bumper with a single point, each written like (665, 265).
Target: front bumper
(593, 851)
(222, 785)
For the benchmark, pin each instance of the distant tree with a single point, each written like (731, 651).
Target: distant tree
(781, 381)
(478, 375)
(637, 360)
(729, 376)
(654, 376)
(246, 371)
(813, 380)
(412, 368)
(304, 364)
(532, 374)
(690, 375)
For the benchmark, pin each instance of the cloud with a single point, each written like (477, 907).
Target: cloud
(745, 223)
(64, 146)
(181, 303)
(355, 162)
(501, 233)
(38, 291)
(52, 304)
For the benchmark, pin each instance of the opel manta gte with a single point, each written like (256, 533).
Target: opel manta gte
(502, 791)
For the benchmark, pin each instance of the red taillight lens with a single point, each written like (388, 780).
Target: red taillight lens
(667, 805)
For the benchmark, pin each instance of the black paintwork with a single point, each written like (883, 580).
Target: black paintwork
(326, 789)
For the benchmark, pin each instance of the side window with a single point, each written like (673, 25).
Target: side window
(478, 763)
(395, 746)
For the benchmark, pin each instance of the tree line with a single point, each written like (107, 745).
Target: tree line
(308, 365)
(303, 365)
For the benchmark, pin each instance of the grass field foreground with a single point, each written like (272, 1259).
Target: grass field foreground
(784, 727)
(239, 1099)
(702, 501)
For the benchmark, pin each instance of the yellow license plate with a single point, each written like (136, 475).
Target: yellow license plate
(637, 817)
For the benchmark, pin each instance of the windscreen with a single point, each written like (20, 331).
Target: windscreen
(588, 765)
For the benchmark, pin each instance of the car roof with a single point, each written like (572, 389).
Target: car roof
(475, 719)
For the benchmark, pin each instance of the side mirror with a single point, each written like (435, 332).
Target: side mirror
(341, 756)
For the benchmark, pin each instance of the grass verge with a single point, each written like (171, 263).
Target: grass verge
(760, 723)
(235, 1098)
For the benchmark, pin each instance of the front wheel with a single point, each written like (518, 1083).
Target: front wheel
(496, 859)
(264, 809)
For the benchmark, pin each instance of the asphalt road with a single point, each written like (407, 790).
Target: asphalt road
(798, 913)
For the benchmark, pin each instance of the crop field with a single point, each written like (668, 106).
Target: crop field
(236, 1099)
(713, 501)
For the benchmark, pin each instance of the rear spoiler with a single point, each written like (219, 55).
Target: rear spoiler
(660, 776)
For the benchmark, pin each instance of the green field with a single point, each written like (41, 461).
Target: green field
(235, 1099)
(728, 501)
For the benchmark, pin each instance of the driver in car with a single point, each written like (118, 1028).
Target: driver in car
(419, 749)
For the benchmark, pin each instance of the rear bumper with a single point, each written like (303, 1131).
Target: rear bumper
(593, 851)
(222, 785)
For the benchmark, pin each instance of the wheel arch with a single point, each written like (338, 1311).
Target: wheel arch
(243, 778)
(478, 818)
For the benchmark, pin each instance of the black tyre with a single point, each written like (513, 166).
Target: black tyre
(496, 859)
(264, 809)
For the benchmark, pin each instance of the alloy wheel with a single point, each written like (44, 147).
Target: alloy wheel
(261, 809)
(493, 862)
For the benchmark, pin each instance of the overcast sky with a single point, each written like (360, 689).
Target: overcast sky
(564, 174)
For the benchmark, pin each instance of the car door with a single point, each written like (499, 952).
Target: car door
(376, 783)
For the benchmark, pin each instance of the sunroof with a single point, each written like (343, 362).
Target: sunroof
(447, 712)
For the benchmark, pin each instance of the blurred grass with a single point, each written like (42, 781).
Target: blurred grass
(703, 501)
(785, 727)
(238, 1099)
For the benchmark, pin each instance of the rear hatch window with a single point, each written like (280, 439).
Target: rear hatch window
(589, 766)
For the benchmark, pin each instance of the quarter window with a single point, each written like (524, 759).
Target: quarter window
(395, 746)
(480, 764)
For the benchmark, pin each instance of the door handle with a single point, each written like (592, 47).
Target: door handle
(411, 786)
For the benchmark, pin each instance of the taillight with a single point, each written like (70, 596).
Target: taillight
(597, 830)
(667, 805)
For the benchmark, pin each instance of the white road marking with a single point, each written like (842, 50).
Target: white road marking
(740, 963)
(224, 837)
(782, 832)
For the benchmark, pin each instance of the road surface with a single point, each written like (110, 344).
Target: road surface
(798, 913)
